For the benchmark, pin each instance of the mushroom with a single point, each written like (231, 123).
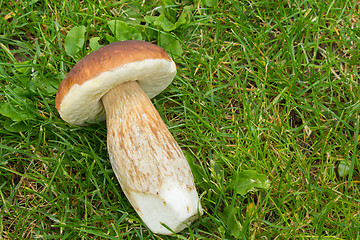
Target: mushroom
(115, 83)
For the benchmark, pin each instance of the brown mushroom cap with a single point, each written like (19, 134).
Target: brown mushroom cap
(78, 99)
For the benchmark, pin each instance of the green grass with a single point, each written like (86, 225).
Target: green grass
(270, 86)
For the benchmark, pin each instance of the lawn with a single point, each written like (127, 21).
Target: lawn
(266, 88)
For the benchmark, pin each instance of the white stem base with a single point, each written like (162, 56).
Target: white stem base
(148, 162)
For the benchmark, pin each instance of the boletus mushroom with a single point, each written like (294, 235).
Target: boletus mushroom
(115, 83)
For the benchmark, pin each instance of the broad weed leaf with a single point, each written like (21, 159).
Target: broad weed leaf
(182, 19)
(164, 23)
(17, 111)
(94, 43)
(210, 3)
(249, 180)
(12, 126)
(47, 84)
(122, 31)
(170, 44)
(74, 41)
(344, 168)
(228, 216)
(150, 19)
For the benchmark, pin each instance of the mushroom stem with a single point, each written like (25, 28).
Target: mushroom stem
(148, 162)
